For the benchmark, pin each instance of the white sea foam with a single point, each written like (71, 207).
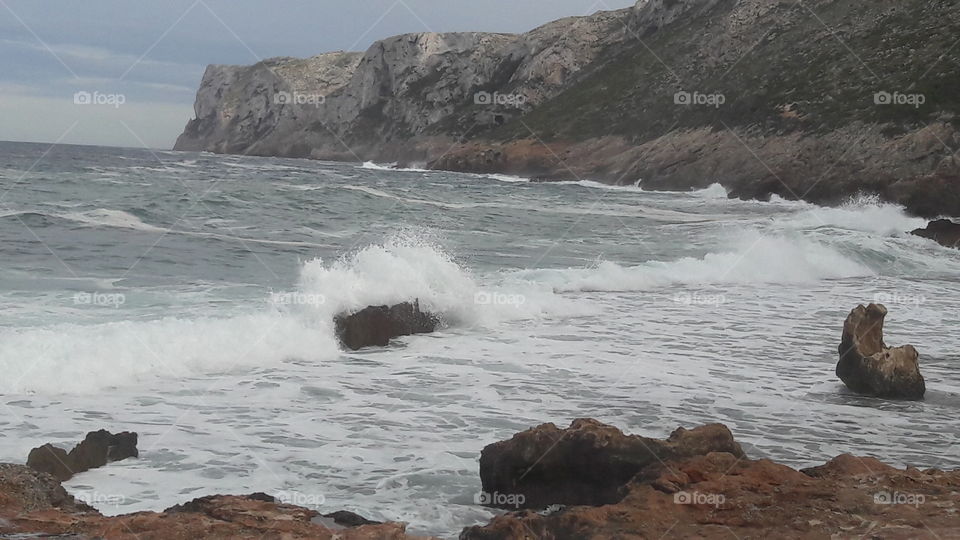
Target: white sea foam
(369, 165)
(713, 191)
(862, 213)
(84, 359)
(753, 259)
(70, 358)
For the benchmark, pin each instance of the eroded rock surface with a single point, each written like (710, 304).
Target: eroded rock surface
(720, 495)
(587, 463)
(868, 366)
(35, 505)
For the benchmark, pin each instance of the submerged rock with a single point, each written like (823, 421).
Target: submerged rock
(585, 464)
(868, 366)
(96, 450)
(375, 326)
(943, 231)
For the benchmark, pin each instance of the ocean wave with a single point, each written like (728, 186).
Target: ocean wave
(867, 213)
(119, 219)
(297, 324)
(369, 165)
(85, 359)
(754, 259)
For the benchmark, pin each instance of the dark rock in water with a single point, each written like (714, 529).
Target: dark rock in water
(51, 460)
(349, 519)
(102, 447)
(96, 450)
(377, 325)
(586, 464)
(943, 231)
(868, 366)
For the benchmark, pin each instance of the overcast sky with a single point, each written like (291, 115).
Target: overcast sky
(154, 53)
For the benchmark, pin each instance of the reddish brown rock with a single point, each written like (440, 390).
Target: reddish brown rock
(720, 495)
(868, 366)
(587, 463)
(34, 504)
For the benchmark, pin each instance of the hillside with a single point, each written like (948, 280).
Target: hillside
(816, 100)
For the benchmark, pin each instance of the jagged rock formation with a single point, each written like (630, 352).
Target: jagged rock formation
(96, 450)
(375, 326)
(943, 231)
(719, 495)
(868, 366)
(35, 505)
(815, 100)
(587, 463)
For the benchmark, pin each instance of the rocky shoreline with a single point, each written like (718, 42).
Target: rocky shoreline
(587, 481)
(590, 480)
(678, 95)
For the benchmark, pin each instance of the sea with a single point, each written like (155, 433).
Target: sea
(189, 297)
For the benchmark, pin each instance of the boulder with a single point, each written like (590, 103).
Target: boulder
(943, 231)
(375, 326)
(96, 450)
(867, 366)
(53, 461)
(585, 464)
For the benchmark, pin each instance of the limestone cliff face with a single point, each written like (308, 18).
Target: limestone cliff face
(348, 105)
(815, 100)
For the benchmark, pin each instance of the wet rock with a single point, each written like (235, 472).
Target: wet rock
(719, 495)
(375, 326)
(585, 464)
(349, 519)
(96, 450)
(51, 460)
(867, 366)
(35, 505)
(26, 489)
(943, 231)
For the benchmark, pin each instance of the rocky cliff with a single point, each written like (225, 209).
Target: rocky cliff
(815, 100)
